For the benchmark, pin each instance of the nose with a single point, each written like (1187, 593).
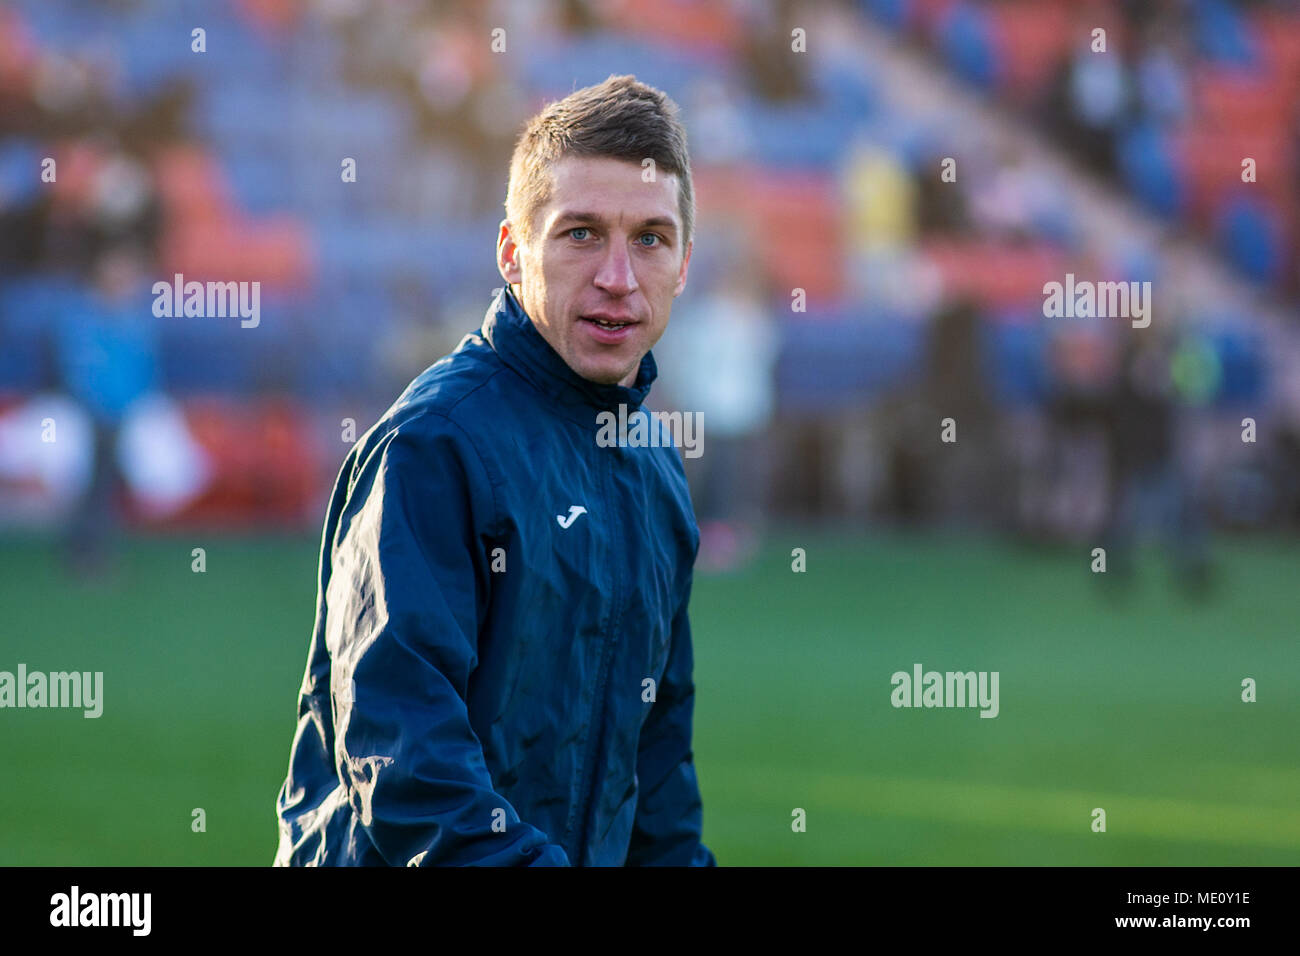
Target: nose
(615, 274)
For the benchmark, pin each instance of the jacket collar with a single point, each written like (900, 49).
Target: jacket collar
(512, 335)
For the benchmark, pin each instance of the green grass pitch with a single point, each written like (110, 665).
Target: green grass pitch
(1132, 705)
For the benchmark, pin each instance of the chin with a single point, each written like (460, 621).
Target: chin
(602, 374)
(603, 377)
(593, 369)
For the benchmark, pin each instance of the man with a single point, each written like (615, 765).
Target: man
(500, 671)
(107, 360)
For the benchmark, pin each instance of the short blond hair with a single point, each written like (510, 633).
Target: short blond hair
(621, 118)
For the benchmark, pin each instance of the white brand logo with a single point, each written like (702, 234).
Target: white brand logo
(572, 516)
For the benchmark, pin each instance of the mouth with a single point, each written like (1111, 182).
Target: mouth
(607, 329)
(608, 323)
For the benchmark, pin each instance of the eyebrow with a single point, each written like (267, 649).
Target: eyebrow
(662, 222)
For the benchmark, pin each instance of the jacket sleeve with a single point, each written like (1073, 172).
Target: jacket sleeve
(408, 588)
(669, 815)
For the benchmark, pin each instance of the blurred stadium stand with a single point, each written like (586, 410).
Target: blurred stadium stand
(225, 165)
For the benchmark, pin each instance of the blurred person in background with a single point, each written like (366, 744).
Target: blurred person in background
(1071, 490)
(1284, 456)
(969, 478)
(881, 216)
(930, 479)
(725, 353)
(106, 356)
(1090, 94)
(1148, 485)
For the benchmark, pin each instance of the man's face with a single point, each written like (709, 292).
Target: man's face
(607, 247)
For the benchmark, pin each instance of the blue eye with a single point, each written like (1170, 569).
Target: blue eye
(649, 235)
(579, 229)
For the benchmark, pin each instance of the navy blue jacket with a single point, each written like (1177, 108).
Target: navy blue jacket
(478, 684)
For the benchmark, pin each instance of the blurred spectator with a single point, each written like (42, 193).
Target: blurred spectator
(719, 133)
(1073, 493)
(1090, 96)
(1149, 488)
(881, 217)
(106, 355)
(766, 55)
(722, 358)
(955, 481)
(1162, 75)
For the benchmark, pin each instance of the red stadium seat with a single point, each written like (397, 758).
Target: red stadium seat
(274, 17)
(796, 215)
(191, 185)
(267, 469)
(206, 237)
(1211, 159)
(995, 275)
(927, 15)
(1031, 39)
(708, 24)
(274, 251)
(1241, 101)
(1279, 34)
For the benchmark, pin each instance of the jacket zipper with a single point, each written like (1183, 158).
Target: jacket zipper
(587, 779)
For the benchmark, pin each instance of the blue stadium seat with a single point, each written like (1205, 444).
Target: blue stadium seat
(799, 135)
(1014, 357)
(966, 39)
(1250, 234)
(892, 13)
(590, 59)
(1242, 364)
(1147, 165)
(827, 361)
(30, 303)
(20, 167)
(1223, 34)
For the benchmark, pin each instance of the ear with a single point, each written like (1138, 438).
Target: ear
(681, 273)
(508, 254)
